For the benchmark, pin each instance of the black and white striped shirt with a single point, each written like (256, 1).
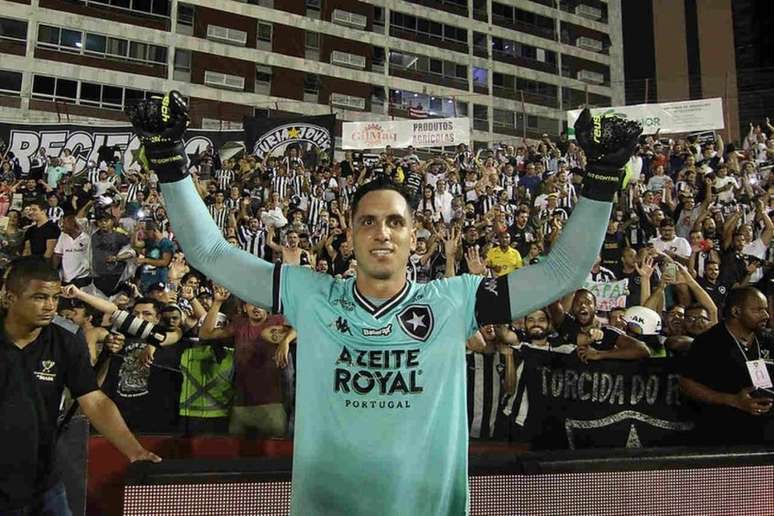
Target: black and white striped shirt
(131, 191)
(603, 275)
(316, 205)
(224, 178)
(54, 213)
(252, 242)
(93, 175)
(219, 215)
(485, 374)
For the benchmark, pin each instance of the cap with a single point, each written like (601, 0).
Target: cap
(643, 321)
(161, 287)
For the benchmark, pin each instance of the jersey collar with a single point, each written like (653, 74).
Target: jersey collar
(378, 311)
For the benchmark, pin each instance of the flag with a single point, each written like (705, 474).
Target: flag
(417, 112)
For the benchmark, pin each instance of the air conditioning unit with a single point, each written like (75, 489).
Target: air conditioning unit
(226, 35)
(588, 11)
(589, 76)
(224, 80)
(347, 101)
(349, 19)
(589, 44)
(349, 60)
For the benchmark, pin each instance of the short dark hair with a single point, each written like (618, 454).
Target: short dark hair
(738, 297)
(88, 310)
(666, 222)
(381, 182)
(40, 203)
(28, 268)
(157, 305)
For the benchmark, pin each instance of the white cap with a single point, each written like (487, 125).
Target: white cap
(641, 320)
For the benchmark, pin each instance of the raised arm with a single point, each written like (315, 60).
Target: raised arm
(608, 143)
(160, 124)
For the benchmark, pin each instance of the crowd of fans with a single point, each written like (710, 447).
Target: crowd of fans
(693, 224)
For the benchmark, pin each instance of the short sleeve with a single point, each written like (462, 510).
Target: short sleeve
(296, 287)
(59, 249)
(80, 375)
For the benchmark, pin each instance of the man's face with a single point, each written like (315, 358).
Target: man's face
(173, 319)
(292, 239)
(696, 238)
(146, 312)
(739, 241)
(629, 257)
(105, 224)
(35, 213)
(254, 313)
(219, 198)
(505, 240)
(421, 246)
(754, 313)
(35, 306)
(70, 227)
(667, 232)
(696, 321)
(522, 218)
(536, 325)
(675, 320)
(471, 235)
(617, 320)
(76, 315)
(488, 331)
(322, 265)
(382, 235)
(584, 308)
(712, 271)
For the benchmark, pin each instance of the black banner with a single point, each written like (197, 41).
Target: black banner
(274, 136)
(607, 403)
(85, 141)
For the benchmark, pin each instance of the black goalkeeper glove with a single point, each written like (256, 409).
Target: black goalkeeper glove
(609, 142)
(160, 124)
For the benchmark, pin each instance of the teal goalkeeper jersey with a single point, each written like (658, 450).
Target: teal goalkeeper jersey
(381, 423)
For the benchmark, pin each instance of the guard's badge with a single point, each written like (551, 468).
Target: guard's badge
(417, 321)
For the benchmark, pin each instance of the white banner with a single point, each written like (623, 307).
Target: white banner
(611, 294)
(431, 132)
(670, 117)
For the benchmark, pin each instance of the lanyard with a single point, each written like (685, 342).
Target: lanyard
(741, 349)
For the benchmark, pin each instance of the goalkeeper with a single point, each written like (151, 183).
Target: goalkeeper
(381, 424)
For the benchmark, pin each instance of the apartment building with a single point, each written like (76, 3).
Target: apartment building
(513, 66)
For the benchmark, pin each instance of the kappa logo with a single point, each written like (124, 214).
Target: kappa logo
(342, 326)
(378, 332)
(417, 321)
(48, 365)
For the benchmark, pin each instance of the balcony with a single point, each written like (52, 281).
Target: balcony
(532, 98)
(525, 62)
(428, 77)
(521, 26)
(444, 5)
(428, 39)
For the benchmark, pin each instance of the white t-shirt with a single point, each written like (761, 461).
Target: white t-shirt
(76, 254)
(677, 245)
(728, 195)
(758, 249)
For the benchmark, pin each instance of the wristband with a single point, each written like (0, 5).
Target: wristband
(601, 182)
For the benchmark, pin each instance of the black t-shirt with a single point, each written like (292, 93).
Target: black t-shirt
(522, 237)
(570, 328)
(716, 361)
(146, 397)
(38, 235)
(717, 291)
(31, 384)
(635, 286)
(612, 249)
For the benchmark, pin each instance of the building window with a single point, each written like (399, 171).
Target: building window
(312, 83)
(152, 7)
(183, 60)
(10, 82)
(185, 14)
(312, 40)
(96, 44)
(263, 74)
(264, 32)
(13, 29)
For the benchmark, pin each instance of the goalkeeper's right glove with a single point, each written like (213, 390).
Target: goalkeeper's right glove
(160, 124)
(609, 142)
